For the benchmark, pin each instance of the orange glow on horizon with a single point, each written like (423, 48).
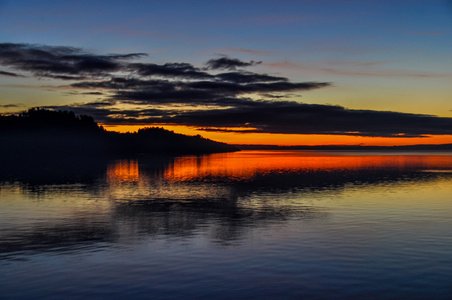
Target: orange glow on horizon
(289, 139)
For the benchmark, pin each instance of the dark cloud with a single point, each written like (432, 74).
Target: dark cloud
(226, 63)
(283, 117)
(188, 95)
(93, 93)
(67, 63)
(247, 77)
(171, 70)
(104, 103)
(106, 114)
(298, 118)
(234, 88)
(4, 73)
(10, 105)
(159, 91)
(273, 96)
(157, 95)
(63, 77)
(205, 92)
(121, 83)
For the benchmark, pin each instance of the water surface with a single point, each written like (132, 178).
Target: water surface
(250, 224)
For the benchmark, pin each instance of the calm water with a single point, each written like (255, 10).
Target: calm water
(323, 225)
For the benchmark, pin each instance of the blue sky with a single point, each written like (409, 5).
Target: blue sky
(376, 55)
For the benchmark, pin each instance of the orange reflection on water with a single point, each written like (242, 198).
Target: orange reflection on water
(123, 170)
(246, 164)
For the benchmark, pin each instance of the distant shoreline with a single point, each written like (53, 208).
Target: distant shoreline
(410, 148)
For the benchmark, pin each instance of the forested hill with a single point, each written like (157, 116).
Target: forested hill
(47, 132)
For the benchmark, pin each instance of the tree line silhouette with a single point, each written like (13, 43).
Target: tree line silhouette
(48, 132)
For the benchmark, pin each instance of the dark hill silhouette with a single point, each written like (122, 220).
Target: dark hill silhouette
(45, 132)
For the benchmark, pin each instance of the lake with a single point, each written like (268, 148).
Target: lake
(249, 224)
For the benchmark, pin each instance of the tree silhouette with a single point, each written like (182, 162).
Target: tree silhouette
(47, 132)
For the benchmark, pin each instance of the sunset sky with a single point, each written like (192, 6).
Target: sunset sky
(305, 72)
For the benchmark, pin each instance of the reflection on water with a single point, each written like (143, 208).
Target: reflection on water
(246, 165)
(245, 224)
(123, 170)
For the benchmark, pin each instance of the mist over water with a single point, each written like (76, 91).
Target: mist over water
(250, 224)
